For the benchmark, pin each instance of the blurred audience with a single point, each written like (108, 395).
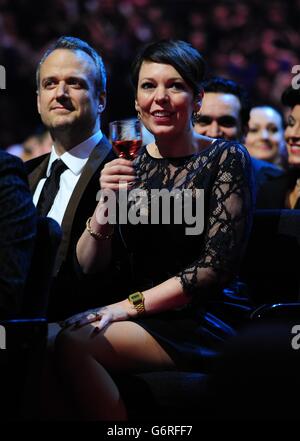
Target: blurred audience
(120, 27)
(265, 137)
(33, 146)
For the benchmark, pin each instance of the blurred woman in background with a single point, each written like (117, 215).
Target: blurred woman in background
(284, 191)
(265, 137)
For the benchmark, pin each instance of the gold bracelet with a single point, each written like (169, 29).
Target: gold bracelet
(94, 234)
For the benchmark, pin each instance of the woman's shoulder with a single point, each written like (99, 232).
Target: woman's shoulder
(234, 150)
(232, 146)
(205, 144)
(219, 147)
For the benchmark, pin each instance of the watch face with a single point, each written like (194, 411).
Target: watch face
(136, 297)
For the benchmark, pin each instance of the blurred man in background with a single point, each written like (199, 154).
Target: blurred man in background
(224, 113)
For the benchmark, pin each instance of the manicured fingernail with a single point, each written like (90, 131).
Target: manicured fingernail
(96, 330)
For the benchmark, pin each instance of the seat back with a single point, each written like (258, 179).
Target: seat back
(26, 335)
(270, 266)
(35, 300)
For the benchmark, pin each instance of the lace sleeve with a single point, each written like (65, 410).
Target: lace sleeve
(228, 223)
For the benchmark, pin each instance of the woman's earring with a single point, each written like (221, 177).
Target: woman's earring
(194, 117)
(138, 115)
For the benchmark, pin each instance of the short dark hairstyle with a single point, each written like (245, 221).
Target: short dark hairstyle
(223, 85)
(179, 54)
(290, 97)
(75, 44)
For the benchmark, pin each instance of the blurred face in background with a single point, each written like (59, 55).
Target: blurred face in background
(265, 137)
(219, 116)
(292, 136)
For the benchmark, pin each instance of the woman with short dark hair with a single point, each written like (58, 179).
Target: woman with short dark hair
(178, 316)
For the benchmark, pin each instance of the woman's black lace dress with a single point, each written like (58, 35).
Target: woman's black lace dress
(204, 263)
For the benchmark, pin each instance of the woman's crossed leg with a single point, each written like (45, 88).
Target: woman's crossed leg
(86, 358)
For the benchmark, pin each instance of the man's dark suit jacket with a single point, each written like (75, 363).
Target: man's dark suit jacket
(264, 171)
(72, 291)
(17, 233)
(274, 192)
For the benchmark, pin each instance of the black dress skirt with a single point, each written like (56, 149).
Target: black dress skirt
(204, 260)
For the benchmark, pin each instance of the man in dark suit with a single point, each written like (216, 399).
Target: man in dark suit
(17, 233)
(224, 113)
(71, 95)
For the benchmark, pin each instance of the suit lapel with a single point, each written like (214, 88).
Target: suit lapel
(37, 173)
(94, 162)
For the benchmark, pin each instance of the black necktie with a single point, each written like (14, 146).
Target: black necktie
(50, 188)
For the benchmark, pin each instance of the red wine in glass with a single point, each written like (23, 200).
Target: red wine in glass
(126, 137)
(127, 149)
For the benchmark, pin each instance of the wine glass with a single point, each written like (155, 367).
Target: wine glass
(126, 137)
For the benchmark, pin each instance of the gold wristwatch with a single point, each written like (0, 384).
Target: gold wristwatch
(137, 300)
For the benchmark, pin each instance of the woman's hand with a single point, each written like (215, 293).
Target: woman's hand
(104, 315)
(117, 174)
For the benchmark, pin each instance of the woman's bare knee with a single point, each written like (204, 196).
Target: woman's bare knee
(120, 346)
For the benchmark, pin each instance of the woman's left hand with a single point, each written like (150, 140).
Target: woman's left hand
(105, 315)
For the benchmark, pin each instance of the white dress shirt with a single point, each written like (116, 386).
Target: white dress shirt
(75, 159)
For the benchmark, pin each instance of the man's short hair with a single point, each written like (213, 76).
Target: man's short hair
(223, 85)
(290, 97)
(75, 44)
